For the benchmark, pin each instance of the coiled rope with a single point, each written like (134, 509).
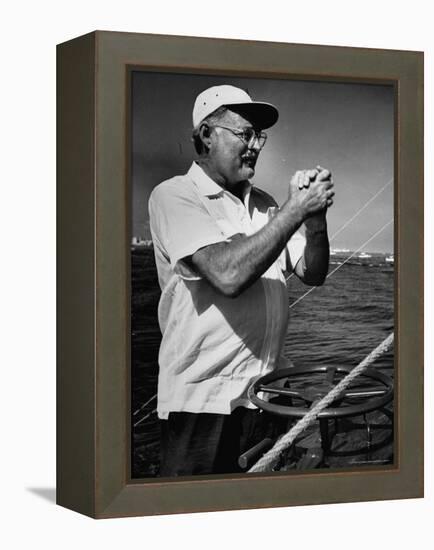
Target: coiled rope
(285, 441)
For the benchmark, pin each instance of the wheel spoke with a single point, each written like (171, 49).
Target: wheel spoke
(367, 393)
(279, 391)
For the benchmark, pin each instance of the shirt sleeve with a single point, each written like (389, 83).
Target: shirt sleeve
(180, 224)
(294, 250)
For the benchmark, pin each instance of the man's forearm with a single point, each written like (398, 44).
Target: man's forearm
(231, 267)
(317, 251)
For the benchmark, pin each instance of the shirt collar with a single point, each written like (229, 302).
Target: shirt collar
(205, 184)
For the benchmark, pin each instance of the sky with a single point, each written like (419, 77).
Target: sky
(345, 127)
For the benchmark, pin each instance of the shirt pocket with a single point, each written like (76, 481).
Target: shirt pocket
(220, 210)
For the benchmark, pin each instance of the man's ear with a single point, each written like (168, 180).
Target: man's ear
(205, 133)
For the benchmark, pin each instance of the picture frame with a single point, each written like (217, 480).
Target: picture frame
(93, 377)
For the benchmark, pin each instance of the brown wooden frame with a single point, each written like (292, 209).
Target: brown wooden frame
(93, 273)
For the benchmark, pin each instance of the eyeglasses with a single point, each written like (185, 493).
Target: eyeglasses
(247, 136)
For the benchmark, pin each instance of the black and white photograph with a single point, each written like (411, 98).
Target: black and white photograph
(262, 275)
(213, 215)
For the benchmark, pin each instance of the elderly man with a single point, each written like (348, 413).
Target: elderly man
(222, 247)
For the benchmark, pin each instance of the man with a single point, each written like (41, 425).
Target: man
(222, 247)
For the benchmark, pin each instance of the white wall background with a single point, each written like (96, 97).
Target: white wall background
(29, 32)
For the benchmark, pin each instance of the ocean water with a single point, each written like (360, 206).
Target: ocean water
(337, 324)
(342, 321)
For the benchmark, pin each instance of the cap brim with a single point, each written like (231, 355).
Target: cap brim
(261, 115)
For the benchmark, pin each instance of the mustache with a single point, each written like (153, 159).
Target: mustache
(250, 156)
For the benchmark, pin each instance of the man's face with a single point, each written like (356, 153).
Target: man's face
(233, 160)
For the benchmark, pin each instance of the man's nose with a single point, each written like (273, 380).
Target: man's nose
(254, 144)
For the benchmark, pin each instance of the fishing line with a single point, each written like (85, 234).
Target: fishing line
(361, 210)
(144, 405)
(347, 223)
(343, 263)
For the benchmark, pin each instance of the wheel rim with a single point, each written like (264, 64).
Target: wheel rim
(352, 402)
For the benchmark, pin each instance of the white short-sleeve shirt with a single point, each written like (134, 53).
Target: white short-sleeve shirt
(213, 346)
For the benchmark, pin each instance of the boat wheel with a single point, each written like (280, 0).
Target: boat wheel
(298, 388)
(293, 391)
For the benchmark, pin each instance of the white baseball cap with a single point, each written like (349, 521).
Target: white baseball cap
(261, 115)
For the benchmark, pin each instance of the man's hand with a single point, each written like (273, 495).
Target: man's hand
(311, 191)
(303, 177)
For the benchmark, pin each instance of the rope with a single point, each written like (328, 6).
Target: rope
(285, 441)
(342, 264)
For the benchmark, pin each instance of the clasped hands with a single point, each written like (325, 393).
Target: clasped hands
(312, 190)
